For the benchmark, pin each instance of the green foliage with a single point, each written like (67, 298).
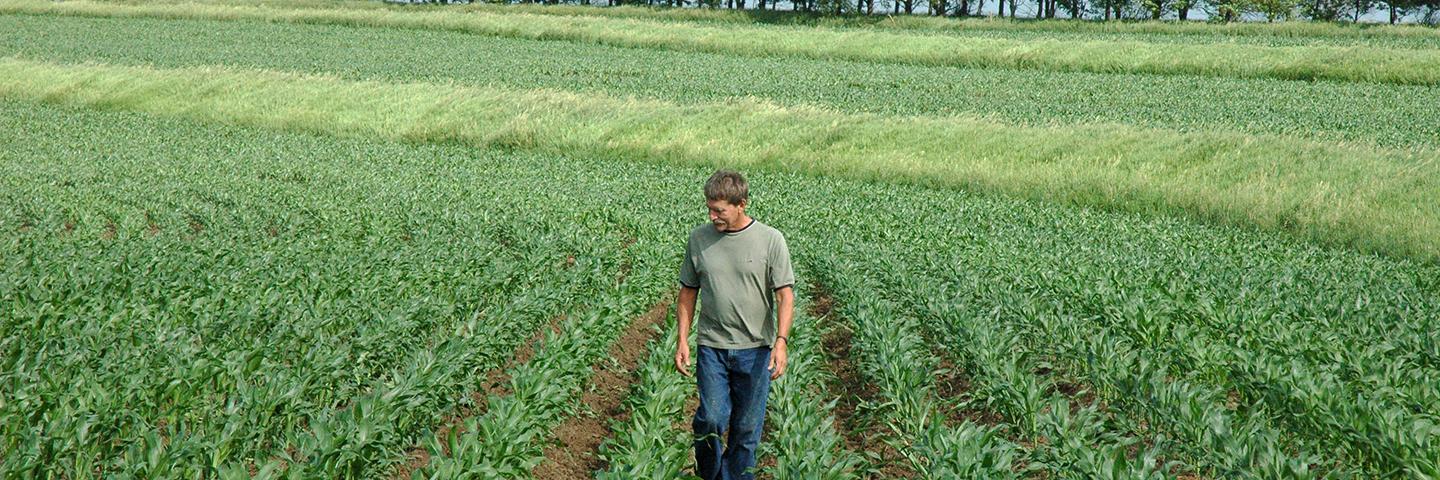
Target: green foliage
(1087, 292)
(506, 442)
(892, 355)
(258, 311)
(1285, 33)
(1323, 192)
(1351, 64)
(1162, 338)
(198, 300)
(653, 442)
(1275, 9)
(802, 439)
(1385, 115)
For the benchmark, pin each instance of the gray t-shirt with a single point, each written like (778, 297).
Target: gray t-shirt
(736, 272)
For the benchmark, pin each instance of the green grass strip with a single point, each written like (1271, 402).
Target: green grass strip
(1374, 199)
(1360, 64)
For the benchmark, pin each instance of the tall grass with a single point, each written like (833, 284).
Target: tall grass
(1374, 199)
(1360, 64)
(925, 23)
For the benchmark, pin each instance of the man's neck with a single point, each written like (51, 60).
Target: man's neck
(744, 222)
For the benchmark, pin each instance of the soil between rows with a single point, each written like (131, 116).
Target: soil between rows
(852, 390)
(578, 439)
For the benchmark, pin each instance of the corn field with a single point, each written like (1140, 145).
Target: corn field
(259, 241)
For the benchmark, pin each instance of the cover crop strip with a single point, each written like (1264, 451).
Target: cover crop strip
(1355, 64)
(1374, 199)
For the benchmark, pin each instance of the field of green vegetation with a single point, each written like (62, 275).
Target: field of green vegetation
(1386, 115)
(258, 244)
(1315, 62)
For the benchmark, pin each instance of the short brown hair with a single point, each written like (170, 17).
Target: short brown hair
(727, 185)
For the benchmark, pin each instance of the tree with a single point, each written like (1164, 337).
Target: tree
(1113, 7)
(1182, 8)
(1074, 8)
(1335, 10)
(1429, 12)
(1275, 9)
(1156, 8)
(1361, 7)
(837, 7)
(1323, 10)
(1227, 11)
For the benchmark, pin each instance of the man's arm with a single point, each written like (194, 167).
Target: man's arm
(784, 316)
(684, 313)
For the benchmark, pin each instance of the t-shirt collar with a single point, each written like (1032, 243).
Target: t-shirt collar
(733, 232)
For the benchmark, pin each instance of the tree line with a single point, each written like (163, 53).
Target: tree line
(1421, 11)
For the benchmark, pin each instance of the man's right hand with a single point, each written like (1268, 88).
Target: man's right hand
(682, 358)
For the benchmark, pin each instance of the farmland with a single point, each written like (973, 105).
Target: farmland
(354, 255)
(1387, 115)
(1351, 63)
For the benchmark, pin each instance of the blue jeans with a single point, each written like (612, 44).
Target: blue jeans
(733, 387)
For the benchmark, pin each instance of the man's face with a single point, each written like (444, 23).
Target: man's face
(725, 215)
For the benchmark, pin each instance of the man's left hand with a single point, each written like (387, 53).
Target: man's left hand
(778, 359)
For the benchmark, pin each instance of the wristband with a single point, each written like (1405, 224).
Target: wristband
(782, 337)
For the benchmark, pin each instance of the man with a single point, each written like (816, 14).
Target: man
(742, 267)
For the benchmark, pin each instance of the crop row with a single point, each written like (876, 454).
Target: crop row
(507, 441)
(1209, 293)
(1368, 198)
(1063, 436)
(1238, 388)
(653, 442)
(1352, 64)
(801, 438)
(891, 355)
(1008, 346)
(1386, 115)
(257, 314)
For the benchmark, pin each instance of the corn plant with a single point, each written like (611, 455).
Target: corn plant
(803, 441)
(650, 444)
(507, 440)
